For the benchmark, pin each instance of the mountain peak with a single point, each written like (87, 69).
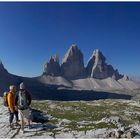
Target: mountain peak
(72, 63)
(96, 51)
(52, 67)
(98, 68)
(74, 46)
(99, 56)
(54, 58)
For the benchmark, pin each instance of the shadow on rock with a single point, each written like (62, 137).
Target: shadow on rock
(38, 116)
(40, 120)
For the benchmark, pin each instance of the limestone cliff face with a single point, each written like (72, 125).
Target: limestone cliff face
(73, 66)
(52, 67)
(72, 63)
(98, 68)
(90, 64)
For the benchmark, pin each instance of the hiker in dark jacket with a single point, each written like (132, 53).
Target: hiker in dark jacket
(23, 101)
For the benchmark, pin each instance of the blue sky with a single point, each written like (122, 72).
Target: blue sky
(31, 32)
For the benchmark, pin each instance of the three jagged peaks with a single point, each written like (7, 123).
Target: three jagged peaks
(71, 74)
(73, 65)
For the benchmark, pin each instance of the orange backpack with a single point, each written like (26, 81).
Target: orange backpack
(5, 101)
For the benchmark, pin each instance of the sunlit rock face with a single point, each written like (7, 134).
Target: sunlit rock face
(52, 67)
(98, 68)
(72, 63)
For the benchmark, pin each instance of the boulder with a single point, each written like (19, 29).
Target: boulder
(72, 63)
(118, 134)
(111, 134)
(129, 135)
(38, 116)
(115, 119)
(123, 136)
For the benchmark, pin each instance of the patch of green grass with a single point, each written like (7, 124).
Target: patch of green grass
(75, 126)
(135, 108)
(70, 115)
(99, 115)
(72, 125)
(76, 116)
(53, 121)
(55, 132)
(39, 133)
(39, 105)
(85, 128)
(120, 106)
(95, 108)
(137, 90)
(89, 111)
(104, 125)
(126, 122)
(83, 111)
(135, 117)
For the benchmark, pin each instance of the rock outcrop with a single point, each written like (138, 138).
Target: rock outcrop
(2, 69)
(72, 63)
(125, 77)
(98, 68)
(52, 67)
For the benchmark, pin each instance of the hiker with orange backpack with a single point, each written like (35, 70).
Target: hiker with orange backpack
(11, 105)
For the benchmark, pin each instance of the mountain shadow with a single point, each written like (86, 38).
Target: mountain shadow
(53, 93)
(40, 91)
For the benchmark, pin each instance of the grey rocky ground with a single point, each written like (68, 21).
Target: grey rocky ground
(78, 119)
(7, 132)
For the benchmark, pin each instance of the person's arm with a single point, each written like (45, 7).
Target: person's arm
(10, 103)
(29, 98)
(16, 99)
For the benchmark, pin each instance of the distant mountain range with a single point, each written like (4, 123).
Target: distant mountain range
(71, 75)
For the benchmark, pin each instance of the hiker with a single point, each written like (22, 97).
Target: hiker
(23, 101)
(11, 106)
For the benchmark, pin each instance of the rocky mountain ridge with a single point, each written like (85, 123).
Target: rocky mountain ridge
(72, 76)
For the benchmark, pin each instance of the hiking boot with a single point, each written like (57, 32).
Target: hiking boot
(17, 123)
(11, 126)
(22, 131)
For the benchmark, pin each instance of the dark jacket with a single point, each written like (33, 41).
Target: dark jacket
(27, 94)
